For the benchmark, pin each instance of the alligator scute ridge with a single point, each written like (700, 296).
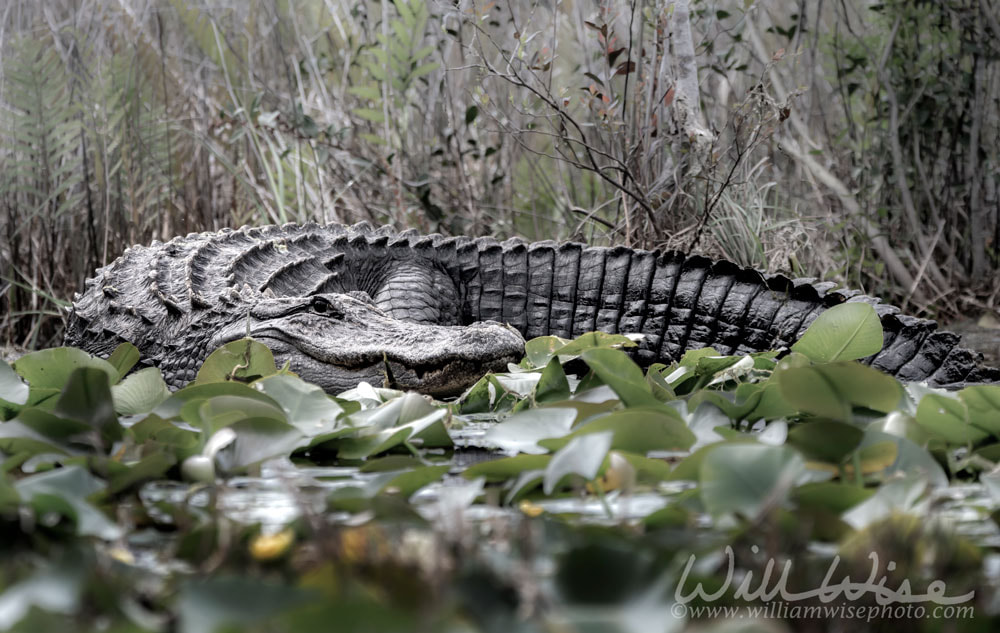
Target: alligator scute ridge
(343, 303)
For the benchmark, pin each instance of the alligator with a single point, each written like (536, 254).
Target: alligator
(343, 304)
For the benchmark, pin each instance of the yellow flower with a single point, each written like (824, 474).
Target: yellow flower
(272, 546)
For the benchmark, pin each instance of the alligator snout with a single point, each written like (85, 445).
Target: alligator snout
(337, 341)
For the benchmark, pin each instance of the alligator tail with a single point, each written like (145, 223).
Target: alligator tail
(683, 302)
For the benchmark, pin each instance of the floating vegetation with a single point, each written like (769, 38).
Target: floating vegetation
(573, 492)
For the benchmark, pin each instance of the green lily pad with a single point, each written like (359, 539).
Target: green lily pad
(948, 418)
(620, 372)
(552, 385)
(845, 332)
(140, 392)
(70, 486)
(47, 371)
(983, 405)
(831, 390)
(86, 398)
(831, 496)
(124, 358)
(635, 430)
(824, 441)
(522, 431)
(306, 406)
(257, 439)
(582, 456)
(541, 350)
(507, 467)
(748, 478)
(13, 390)
(244, 360)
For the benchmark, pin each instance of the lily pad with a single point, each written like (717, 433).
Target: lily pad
(620, 372)
(140, 392)
(306, 406)
(748, 478)
(848, 331)
(635, 430)
(522, 431)
(582, 456)
(244, 360)
(12, 389)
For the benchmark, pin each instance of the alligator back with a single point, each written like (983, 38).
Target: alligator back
(168, 297)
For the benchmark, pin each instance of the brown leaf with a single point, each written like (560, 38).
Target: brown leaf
(669, 97)
(778, 55)
(613, 55)
(625, 68)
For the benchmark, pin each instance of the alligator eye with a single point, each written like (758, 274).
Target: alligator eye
(321, 305)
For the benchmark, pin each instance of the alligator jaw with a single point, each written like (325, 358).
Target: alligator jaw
(353, 341)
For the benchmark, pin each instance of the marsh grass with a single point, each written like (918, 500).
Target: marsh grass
(131, 120)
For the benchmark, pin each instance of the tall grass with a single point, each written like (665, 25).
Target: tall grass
(124, 121)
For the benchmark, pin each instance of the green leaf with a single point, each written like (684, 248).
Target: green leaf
(829, 442)
(124, 358)
(552, 385)
(648, 469)
(911, 458)
(54, 588)
(16, 437)
(370, 114)
(830, 390)
(424, 69)
(48, 370)
(748, 478)
(636, 431)
(594, 340)
(407, 483)
(521, 431)
(86, 398)
(983, 405)
(152, 467)
(948, 418)
(212, 414)
(244, 360)
(172, 406)
(507, 467)
(582, 456)
(140, 392)
(844, 332)
(370, 91)
(471, 113)
(257, 439)
(207, 605)
(520, 384)
(428, 428)
(620, 372)
(307, 406)
(541, 350)
(12, 389)
(71, 485)
(830, 496)
(897, 495)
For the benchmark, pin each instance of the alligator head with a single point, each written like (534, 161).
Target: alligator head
(338, 340)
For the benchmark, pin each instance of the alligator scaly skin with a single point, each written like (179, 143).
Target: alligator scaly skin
(170, 299)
